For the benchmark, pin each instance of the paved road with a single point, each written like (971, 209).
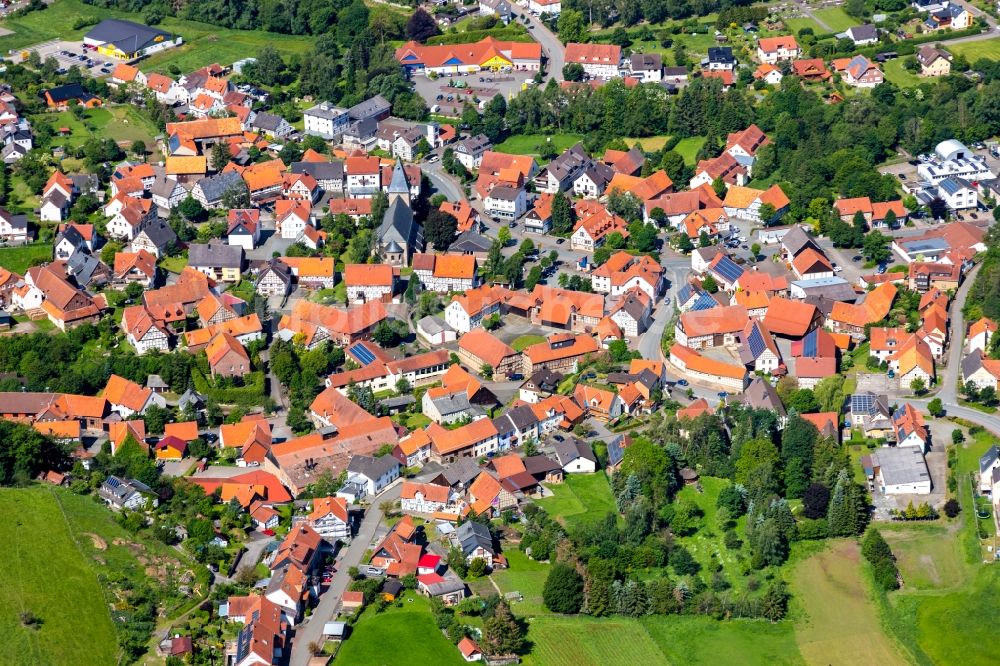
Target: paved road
(442, 182)
(551, 46)
(311, 630)
(949, 384)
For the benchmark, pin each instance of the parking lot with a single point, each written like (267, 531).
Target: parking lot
(472, 88)
(73, 54)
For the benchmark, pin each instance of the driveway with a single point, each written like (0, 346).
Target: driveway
(311, 629)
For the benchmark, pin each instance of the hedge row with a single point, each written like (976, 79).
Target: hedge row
(249, 395)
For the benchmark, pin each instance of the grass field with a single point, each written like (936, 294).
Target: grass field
(702, 640)
(986, 48)
(525, 576)
(688, 148)
(649, 143)
(707, 545)
(835, 620)
(585, 641)
(836, 18)
(796, 24)
(532, 144)
(76, 626)
(404, 635)
(582, 498)
(204, 44)
(18, 259)
(173, 264)
(929, 556)
(122, 123)
(57, 544)
(902, 77)
(526, 340)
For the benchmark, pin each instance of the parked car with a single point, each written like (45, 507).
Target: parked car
(560, 241)
(682, 382)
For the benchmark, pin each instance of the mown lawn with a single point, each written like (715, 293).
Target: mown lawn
(581, 498)
(48, 574)
(929, 555)
(836, 18)
(688, 148)
(204, 44)
(525, 341)
(532, 144)
(526, 576)
(796, 24)
(399, 635)
(18, 259)
(987, 48)
(902, 77)
(173, 264)
(649, 143)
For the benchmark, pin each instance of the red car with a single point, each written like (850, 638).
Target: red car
(268, 532)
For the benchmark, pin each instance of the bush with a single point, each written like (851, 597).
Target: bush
(879, 555)
(813, 529)
(732, 540)
(952, 508)
(563, 591)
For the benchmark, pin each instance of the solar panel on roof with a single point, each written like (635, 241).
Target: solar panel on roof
(756, 342)
(361, 353)
(704, 302)
(862, 403)
(809, 344)
(728, 269)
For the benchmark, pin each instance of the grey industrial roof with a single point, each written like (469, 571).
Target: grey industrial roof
(129, 37)
(901, 465)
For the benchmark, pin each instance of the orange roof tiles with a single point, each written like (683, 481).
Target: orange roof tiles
(588, 54)
(121, 391)
(368, 275)
(485, 346)
(788, 317)
(727, 319)
(698, 363)
(772, 44)
(185, 430)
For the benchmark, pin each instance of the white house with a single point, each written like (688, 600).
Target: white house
(775, 49)
(330, 518)
(143, 332)
(292, 217)
(599, 61)
(506, 203)
(325, 120)
(575, 456)
(424, 498)
(545, 6)
(469, 151)
(958, 193)
(372, 475)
